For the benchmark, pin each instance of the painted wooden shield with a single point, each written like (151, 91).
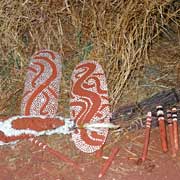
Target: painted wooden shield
(40, 97)
(41, 89)
(89, 103)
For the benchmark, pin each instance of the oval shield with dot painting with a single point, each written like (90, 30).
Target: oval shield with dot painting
(41, 91)
(89, 103)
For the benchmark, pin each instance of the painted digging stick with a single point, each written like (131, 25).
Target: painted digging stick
(147, 136)
(171, 135)
(175, 128)
(162, 128)
(55, 153)
(108, 162)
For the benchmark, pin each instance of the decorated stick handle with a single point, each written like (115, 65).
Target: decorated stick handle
(162, 127)
(171, 135)
(175, 128)
(147, 136)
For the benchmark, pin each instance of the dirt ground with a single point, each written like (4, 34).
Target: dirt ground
(26, 161)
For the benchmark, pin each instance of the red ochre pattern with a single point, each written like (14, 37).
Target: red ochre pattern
(89, 103)
(37, 124)
(41, 90)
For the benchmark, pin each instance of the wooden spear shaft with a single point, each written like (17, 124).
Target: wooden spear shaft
(147, 136)
(108, 162)
(57, 154)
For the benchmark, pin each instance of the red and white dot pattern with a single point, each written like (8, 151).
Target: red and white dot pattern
(89, 103)
(41, 89)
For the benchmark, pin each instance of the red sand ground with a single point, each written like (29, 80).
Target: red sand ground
(25, 161)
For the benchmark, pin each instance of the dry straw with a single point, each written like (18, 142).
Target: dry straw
(115, 33)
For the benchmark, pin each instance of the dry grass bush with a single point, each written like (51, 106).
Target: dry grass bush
(115, 33)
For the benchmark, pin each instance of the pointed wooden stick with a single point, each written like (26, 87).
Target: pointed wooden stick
(162, 128)
(108, 162)
(147, 136)
(171, 135)
(175, 128)
(56, 154)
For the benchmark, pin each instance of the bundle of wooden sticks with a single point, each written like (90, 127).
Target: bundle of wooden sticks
(130, 113)
(171, 119)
